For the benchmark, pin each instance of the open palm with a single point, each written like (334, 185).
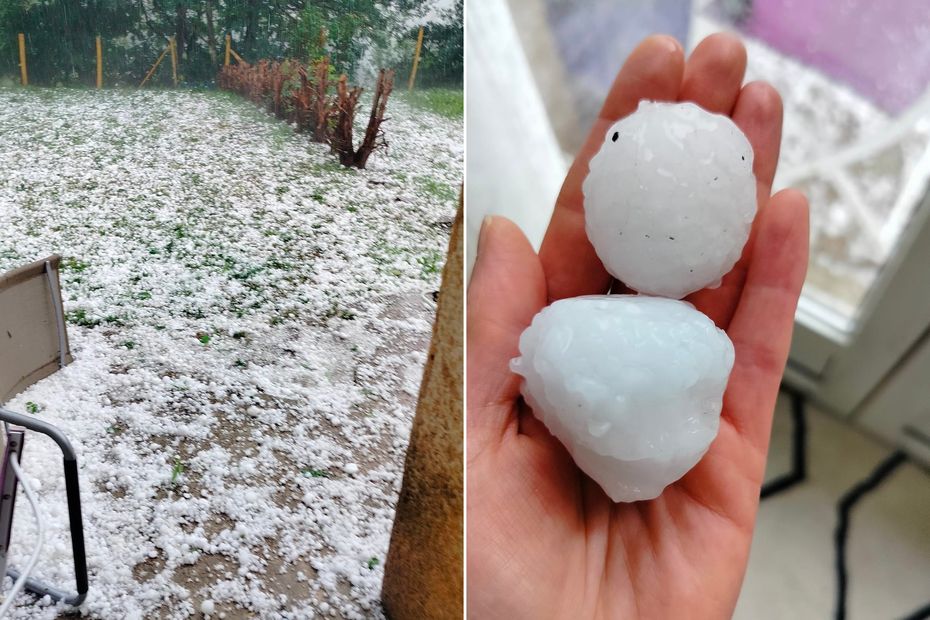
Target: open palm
(544, 541)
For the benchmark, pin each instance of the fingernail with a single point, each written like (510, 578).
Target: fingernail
(486, 224)
(671, 43)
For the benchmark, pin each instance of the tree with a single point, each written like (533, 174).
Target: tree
(60, 35)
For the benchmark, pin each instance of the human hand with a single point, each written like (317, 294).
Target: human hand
(544, 541)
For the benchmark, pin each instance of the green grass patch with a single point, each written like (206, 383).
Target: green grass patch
(176, 470)
(437, 189)
(73, 264)
(430, 263)
(343, 313)
(316, 473)
(79, 317)
(448, 102)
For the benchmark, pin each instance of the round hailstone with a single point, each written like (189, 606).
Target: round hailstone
(632, 385)
(670, 198)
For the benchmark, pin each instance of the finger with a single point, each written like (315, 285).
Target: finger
(758, 113)
(507, 289)
(652, 71)
(714, 73)
(764, 319)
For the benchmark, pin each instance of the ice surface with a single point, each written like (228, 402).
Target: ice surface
(670, 198)
(632, 385)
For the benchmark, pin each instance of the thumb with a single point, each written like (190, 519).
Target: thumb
(507, 289)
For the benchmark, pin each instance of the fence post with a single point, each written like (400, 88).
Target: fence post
(99, 63)
(416, 60)
(174, 61)
(24, 75)
(228, 47)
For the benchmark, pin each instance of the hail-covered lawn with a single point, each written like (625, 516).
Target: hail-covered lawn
(249, 322)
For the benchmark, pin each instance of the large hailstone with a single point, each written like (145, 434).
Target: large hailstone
(631, 385)
(670, 198)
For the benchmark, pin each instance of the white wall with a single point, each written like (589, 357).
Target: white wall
(514, 166)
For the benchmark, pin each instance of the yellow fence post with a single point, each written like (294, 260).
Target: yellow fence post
(228, 47)
(99, 63)
(174, 60)
(416, 60)
(22, 60)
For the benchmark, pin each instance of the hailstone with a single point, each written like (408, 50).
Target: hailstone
(670, 198)
(631, 385)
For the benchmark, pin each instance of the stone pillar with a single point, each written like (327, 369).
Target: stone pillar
(423, 572)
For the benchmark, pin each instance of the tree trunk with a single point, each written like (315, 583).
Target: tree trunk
(341, 139)
(302, 100)
(322, 108)
(180, 28)
(251, 29)
(378, 107)
(211, 33)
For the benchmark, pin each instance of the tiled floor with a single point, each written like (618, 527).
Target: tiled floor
(791, 567)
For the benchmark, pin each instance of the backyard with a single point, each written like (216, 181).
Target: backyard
(249, 322)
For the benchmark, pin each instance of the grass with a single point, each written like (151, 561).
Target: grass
(343, 313)
(176, 470)
(430, 263)
(448, 102)
(438, 190)
(73, 264)
(32, 407)
(372, 562)
(79, 317)
(316, 473)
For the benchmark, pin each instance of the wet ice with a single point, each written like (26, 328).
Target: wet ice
(632, 385)
(670, 198)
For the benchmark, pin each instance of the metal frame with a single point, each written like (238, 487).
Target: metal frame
(36, 586)
(9, 480)
(13, 439)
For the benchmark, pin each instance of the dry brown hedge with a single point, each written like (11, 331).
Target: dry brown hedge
(307, 96)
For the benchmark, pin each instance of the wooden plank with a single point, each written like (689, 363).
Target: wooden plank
(416, 60)
(228, 49)
(155, 66)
